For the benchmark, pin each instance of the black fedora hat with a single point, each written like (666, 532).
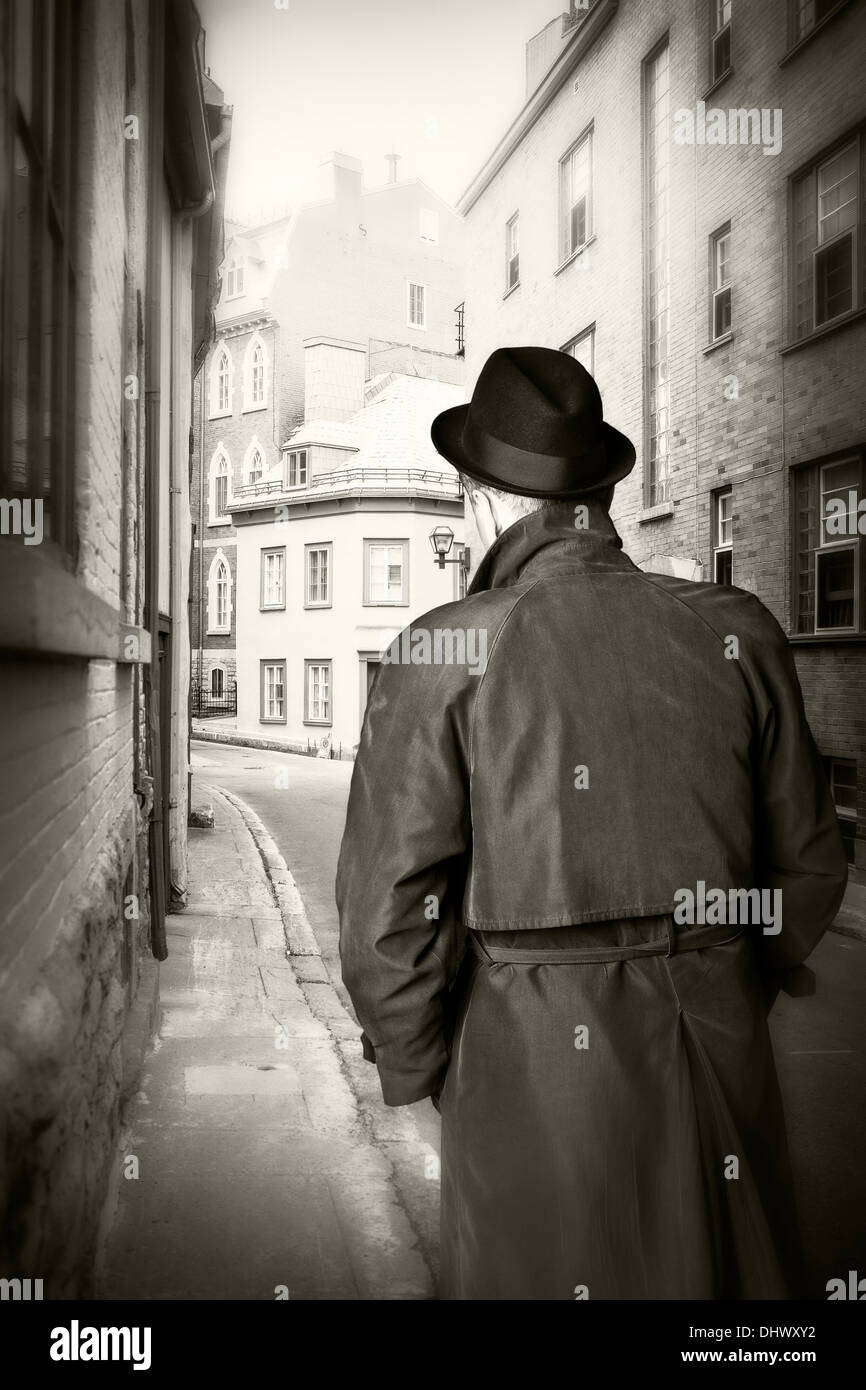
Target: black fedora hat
(534, 426)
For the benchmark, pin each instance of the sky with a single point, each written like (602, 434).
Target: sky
(436, 81)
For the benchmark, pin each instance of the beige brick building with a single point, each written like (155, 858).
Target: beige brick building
(114, 145)
(680, 202)
(380, 267)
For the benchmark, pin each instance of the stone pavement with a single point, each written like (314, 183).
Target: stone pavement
(265, 1158)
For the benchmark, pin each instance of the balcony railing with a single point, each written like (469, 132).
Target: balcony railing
(355, 482)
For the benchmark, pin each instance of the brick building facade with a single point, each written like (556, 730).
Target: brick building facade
(114, 142)
(680, 202)
(347, 267)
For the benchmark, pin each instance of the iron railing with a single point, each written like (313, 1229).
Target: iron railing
(428, 482)
(204, 704)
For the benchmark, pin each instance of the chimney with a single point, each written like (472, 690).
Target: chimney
(345, 179)
(392, 167)
(544, 48)
(334, 375)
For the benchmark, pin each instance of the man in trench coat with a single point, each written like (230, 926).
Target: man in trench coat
(588, 832)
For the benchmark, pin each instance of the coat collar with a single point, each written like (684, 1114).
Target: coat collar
(550, 536)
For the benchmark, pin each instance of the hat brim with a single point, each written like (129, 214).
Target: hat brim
(447, 435)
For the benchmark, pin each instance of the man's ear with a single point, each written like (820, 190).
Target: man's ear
(486, 521)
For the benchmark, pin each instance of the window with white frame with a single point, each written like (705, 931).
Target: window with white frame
(722, 512)
(416, 305)
(826, 235)
(582, 348)
(274, 577)
(255, 362)
(317, 592)
(221, 382)
(220, 471)
(575, 197)
(296, 468)
(828, 546)
(235, 278)
(385, 572)
(720, 39)
(219, 607)
(720, 283)
(254, 464)
(317, 692)
(428, 224)
(512, 252)
(273, 692)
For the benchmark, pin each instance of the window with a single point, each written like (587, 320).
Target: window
(235, 278)
(255, 462)
(828, 569)
(806, 14)
(583, 349)
(428, 224)
(657, 305)
(512, 252)
(827, 222)
(221, 383)
(385, 572)
(842, 776)
(254, 374)
(460, 576)
(219, 604)
(575, 197)
(317, 692)
(218, 682)
(318, 576)
(272, 705)
(417, 299)
(273, 578)
(297, 468)
(219, 488)
(38, 75)
(722, 503)
(720, 284)
(720, 39)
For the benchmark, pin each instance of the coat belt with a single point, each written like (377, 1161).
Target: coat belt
(671, 943)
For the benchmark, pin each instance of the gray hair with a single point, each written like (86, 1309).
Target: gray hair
(525, 506)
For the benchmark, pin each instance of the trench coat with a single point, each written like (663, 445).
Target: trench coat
(519, 833)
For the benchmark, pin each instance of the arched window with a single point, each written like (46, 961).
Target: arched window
(221, 382)
(219, 595)
(220, 472)
(218, 682)
(255, 462)
(255, 374)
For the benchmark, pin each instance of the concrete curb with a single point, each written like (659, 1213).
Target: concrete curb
(300, 938)
(270, 745)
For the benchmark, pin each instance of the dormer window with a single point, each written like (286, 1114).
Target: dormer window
(297, 468)
(235, 278)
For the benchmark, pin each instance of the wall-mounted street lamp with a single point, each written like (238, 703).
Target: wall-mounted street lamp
(442, 539)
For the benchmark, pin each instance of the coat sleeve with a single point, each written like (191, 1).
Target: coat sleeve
(800, 847)
(401, 871)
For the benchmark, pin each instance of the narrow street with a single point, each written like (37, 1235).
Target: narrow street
(820, 1042)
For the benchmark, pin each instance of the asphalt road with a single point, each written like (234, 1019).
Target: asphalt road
(820, 1042)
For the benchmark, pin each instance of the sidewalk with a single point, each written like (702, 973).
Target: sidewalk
(226, 731)
(265, 1155)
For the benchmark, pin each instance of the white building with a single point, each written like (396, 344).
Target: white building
(333, 549)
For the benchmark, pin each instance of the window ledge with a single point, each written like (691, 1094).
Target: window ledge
(48, 611)
(318, 605)
(319, 723)
(711, 90)
(717, 343)
(248, 409)
(656, 513)
(575, 255)
(221, 521)
(218, 632)
(220, 415)
(855, 317)
(823, 639)
(264, 719)
(272, 608)
(511, 289)
(807, 38)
